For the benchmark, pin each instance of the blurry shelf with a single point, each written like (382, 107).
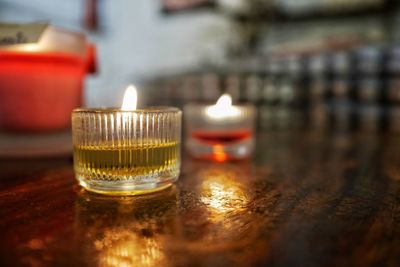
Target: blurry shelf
(37, 145)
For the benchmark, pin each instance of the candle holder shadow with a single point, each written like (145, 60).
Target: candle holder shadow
(126, 152)
(219, 139)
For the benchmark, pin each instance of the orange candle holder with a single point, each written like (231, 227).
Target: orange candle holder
(41, 83)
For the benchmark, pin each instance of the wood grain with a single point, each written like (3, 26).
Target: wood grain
(306, 199)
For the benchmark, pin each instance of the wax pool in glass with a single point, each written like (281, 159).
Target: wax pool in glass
(126, 152)
(220, 132)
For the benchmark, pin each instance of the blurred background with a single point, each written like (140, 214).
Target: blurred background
(305, 63)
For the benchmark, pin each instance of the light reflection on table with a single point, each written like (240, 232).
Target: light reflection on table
(125, 231)
(221, 192)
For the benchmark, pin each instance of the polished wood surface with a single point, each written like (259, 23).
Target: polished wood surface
(306, 199)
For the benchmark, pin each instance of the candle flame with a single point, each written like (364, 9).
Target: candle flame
(130, 98)
(224, 100)
(223, 108)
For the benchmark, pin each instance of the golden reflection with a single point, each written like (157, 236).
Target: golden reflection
(221, 192)
(121, 247)
(125, 231)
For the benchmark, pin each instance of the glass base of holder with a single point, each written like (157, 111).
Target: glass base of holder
(125, 188)
(222, 151)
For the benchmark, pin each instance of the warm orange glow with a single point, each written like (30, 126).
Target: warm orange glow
(130, 98)
(221, 193)
(121, 247)
(219, 153)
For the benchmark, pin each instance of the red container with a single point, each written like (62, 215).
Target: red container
(39, 90)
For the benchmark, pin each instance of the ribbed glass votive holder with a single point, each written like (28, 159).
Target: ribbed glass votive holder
(126, 152)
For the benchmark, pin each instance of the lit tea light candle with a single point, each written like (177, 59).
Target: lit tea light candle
(220, 132)
(128, 150)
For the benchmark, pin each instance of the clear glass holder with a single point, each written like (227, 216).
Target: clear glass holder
(126, 152)
(219, 139)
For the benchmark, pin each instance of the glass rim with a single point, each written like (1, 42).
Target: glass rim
(199, 105)
(151, 109)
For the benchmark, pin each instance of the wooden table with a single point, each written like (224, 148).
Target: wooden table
(306, 199)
